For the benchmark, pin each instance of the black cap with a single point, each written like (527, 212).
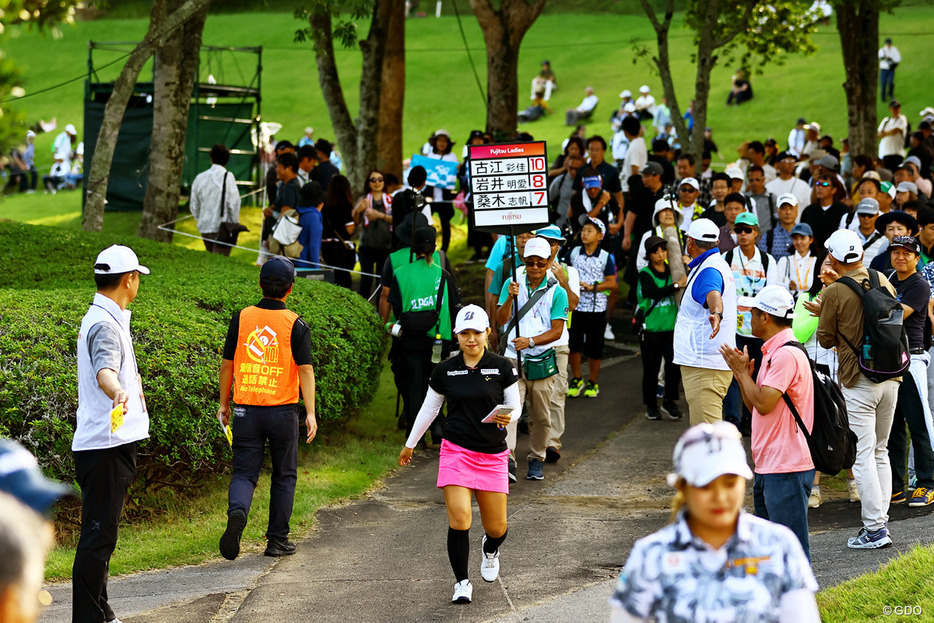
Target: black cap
(311, 195)
(424, 237)
(652, 243)
(284, 145)
(906, 242)
(277, 269)
(897, 216)
(323, 146)
(895, 104)
(404, 230)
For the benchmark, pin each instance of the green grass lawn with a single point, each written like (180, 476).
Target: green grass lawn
(585, 49)
(340, 463)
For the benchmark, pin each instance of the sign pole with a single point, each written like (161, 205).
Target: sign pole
(515, 302)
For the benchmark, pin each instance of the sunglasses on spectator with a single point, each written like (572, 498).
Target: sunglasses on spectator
(537, 263)
(373, 180)
(865, 215)
(742, 229)
(824, 184)
(688, 189)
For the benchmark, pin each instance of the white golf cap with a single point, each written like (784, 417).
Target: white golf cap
(644, 89)
(735, 173)
(707, 451)
(116, 260)
(629, 107)
(625, 93)
(774, 300)
(70, 129)
(690, 181)
(845, 246)
(30, 134)
(537, 247)
(471, 317)
(788, 198)
(705, 230)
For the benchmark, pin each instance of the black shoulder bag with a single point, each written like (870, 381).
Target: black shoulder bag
(229, 231)
(419, 323)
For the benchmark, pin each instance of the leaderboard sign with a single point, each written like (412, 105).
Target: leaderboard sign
(509, 186)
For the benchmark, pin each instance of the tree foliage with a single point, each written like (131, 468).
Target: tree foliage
(750, 34)
(327, 20)
(40, 15)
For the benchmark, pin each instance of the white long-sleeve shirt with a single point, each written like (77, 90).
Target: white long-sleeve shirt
(205, 203)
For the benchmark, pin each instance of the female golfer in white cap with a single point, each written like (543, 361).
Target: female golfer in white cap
(715, 562)
(481, 391)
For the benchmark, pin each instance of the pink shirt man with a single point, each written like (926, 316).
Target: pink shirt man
(778, 446)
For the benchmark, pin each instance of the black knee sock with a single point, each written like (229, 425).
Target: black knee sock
(492, 544)
(459, 552)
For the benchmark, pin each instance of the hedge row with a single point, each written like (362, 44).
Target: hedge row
(180, 318)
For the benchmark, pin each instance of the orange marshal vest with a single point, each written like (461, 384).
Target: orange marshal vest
(265, 374)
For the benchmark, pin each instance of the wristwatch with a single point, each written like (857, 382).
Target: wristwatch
(531, 342)
(719, 314)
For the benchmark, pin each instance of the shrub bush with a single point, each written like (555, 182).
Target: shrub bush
(180, 318)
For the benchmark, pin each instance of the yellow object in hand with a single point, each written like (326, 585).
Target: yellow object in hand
(229, 434)
(116, 418)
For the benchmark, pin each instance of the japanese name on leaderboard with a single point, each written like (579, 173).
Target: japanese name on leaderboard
(509, 184)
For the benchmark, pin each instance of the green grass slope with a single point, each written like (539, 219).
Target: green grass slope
(584, 48)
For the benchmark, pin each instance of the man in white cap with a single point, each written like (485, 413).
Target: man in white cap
(874, 242)
(543, 312)
(29, 158)
(584, 109)
(706, 319)
(645, 104)
(892, 132)
(62, 151)
(783, 466)
(870, 406)
(112, 419)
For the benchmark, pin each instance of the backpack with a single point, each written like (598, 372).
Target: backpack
(883, 355)
(831, 442)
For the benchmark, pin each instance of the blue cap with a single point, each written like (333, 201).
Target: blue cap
(21, 477)
(551, 232)
(593, 181)
(802, 229)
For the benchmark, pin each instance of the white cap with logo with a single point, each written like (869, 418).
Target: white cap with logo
(118, 259)
(773, 300)
(537, 247)
(845, 246)
(471, 317)
(788, 198)
(705, 230)
(707, 451)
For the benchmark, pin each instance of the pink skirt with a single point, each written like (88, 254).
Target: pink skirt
(478, 471)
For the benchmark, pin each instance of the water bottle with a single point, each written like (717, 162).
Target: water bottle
(867, 349)
(436, 349)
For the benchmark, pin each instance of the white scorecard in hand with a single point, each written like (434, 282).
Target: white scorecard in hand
(498, 409)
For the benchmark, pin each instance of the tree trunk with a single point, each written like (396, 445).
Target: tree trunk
(371, 82)
(503, 30)
(705, 62)
(392, 94)
(358, 141)
(99, 171)
(663, 63)
(176, 66)
(858, 23)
